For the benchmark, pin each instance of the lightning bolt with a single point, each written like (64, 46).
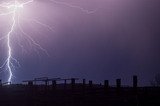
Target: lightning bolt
(12, 8)
(9, 46)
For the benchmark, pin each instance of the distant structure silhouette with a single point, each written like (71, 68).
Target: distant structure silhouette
(46, 91)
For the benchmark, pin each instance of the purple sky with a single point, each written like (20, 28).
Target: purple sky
(119, 40)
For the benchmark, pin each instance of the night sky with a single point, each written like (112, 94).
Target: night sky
(119, 40)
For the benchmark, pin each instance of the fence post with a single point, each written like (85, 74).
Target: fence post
(73, 83)
(90, 84)
(106, 84)
(118, 81)
(118, 84)
(84, 83)
(0, 82)
(30, 83)
(54, 83)
(135, 81)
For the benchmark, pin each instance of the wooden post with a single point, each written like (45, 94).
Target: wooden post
(135, 81)
(0, 83)
(65, 83)
(90, 84)
(84, 83)
(54, 83)
(118, 84)
(106, 84)
(73, 83)
(30, 83)
(46, 83)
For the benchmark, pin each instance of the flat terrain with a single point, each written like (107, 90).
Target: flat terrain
(79, 95)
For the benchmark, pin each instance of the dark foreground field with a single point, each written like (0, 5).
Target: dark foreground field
(78, 95)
